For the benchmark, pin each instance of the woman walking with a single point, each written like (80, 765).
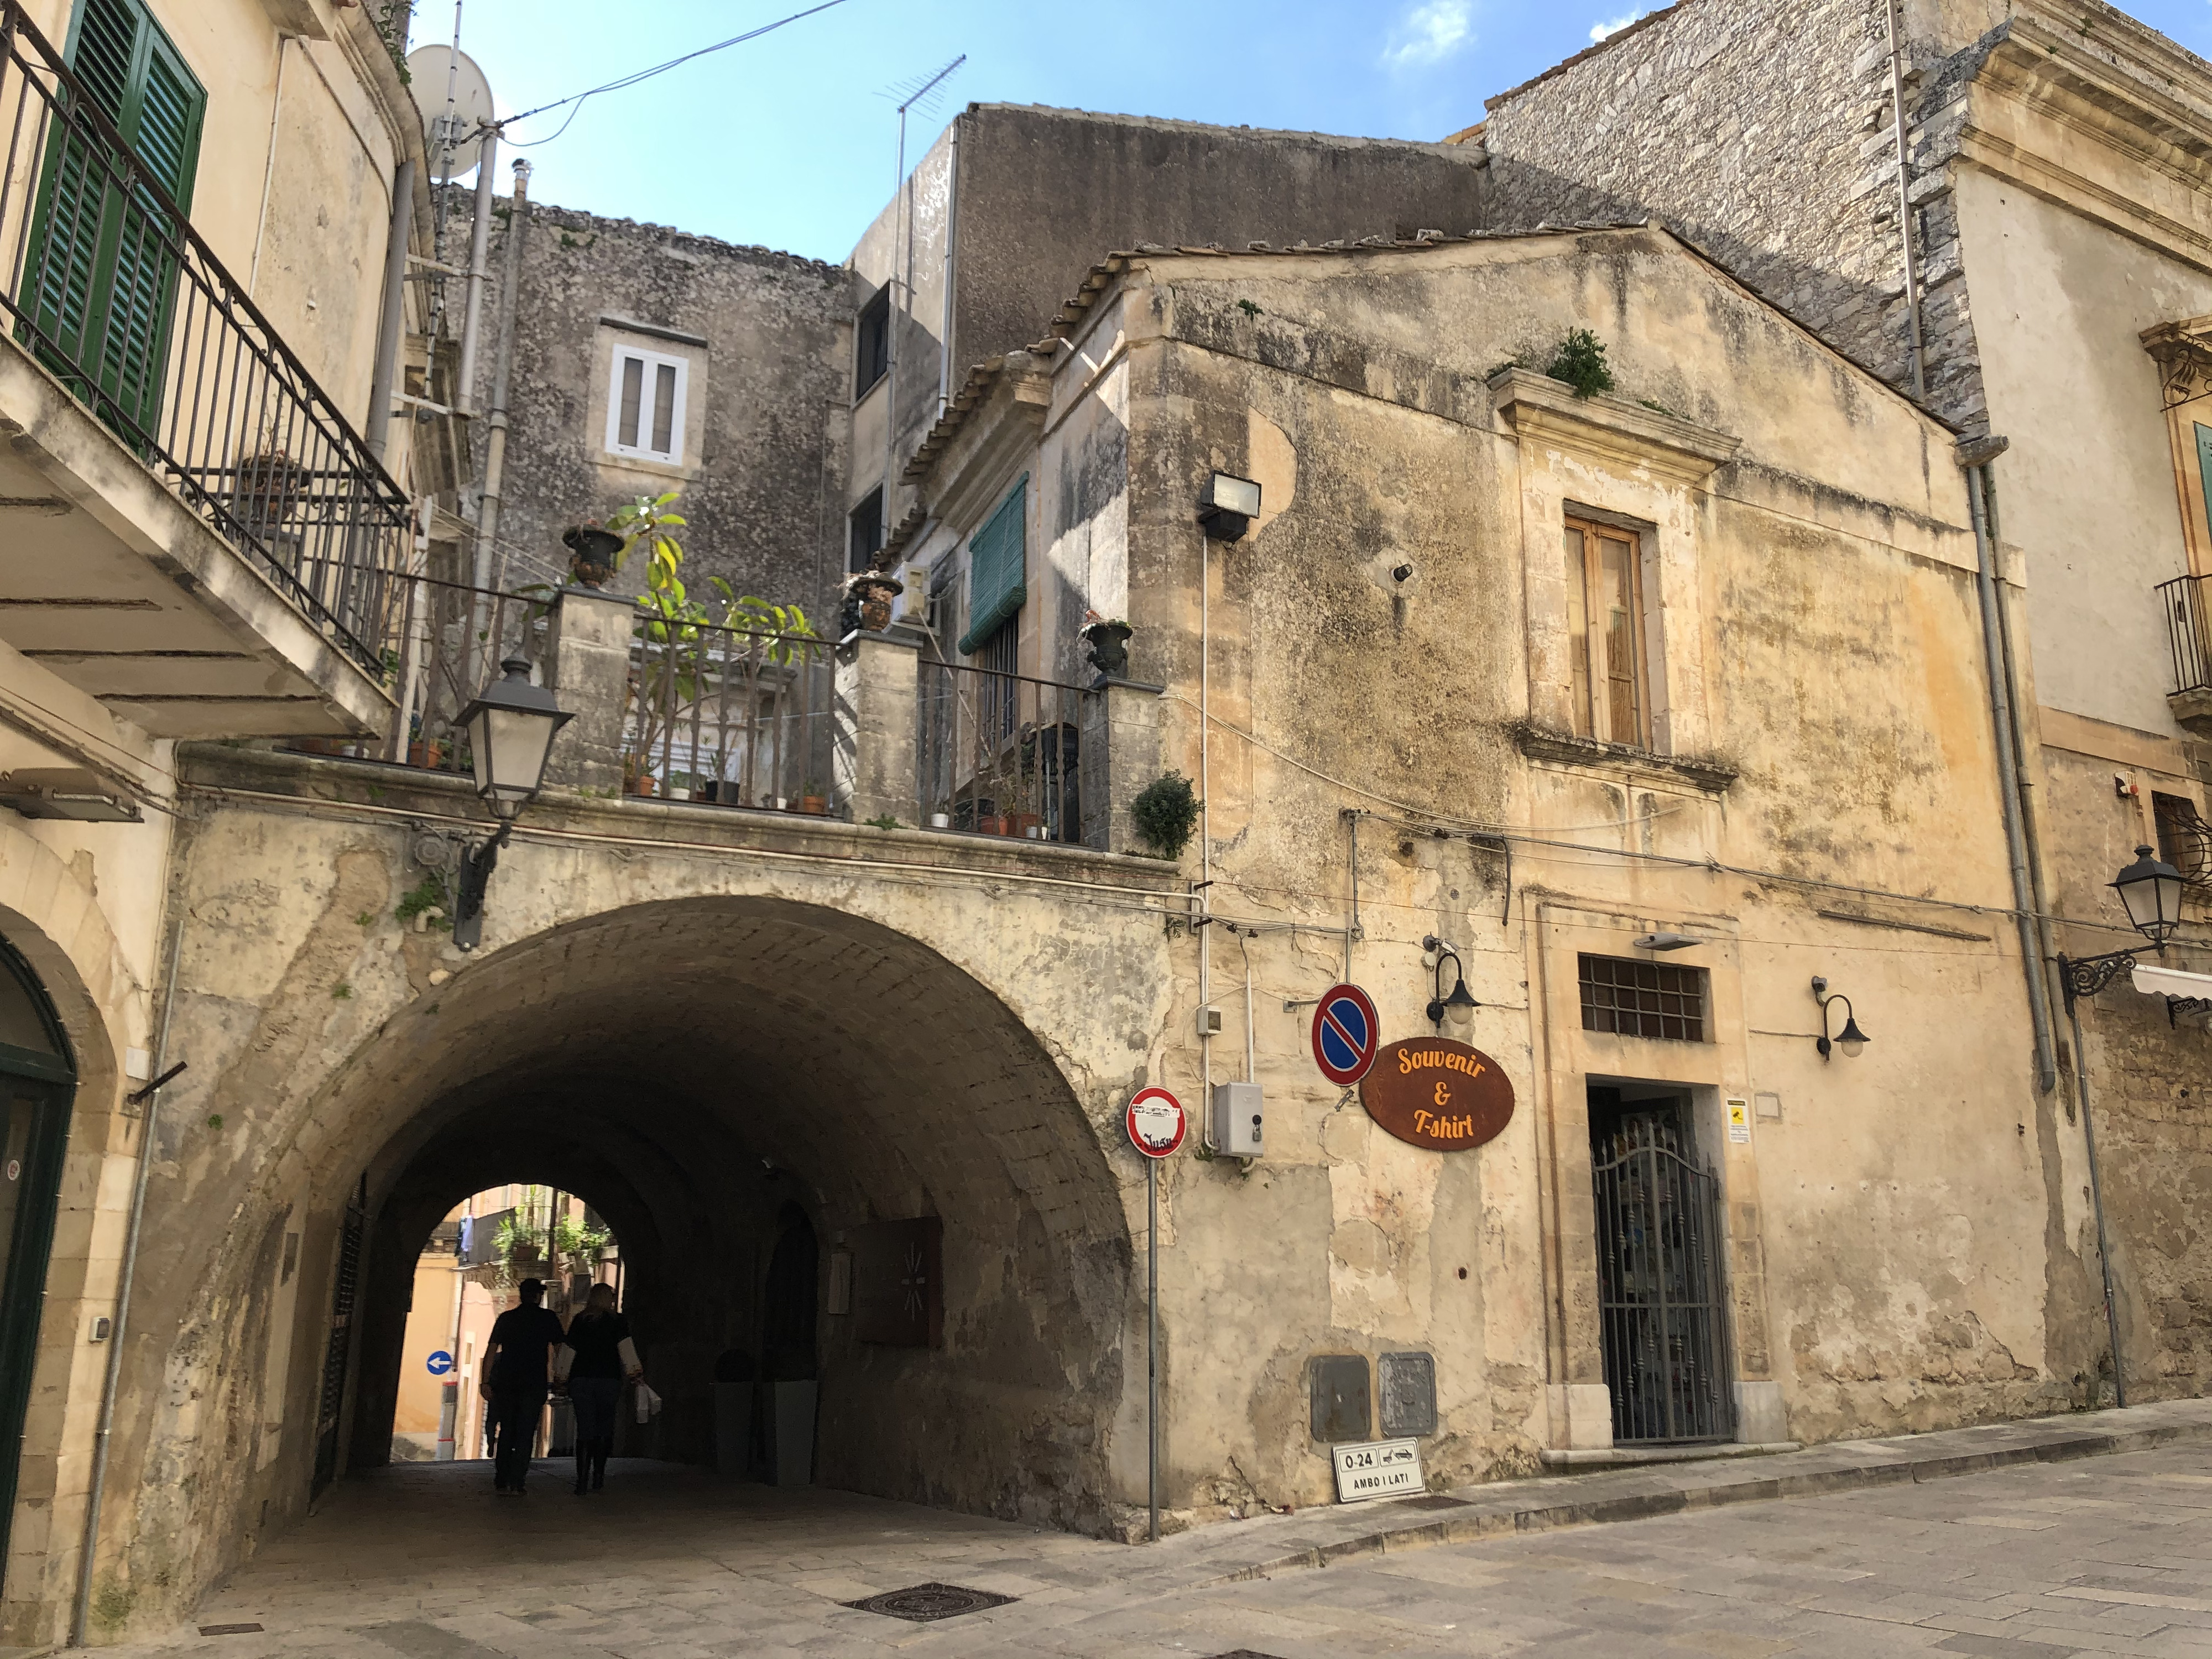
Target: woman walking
(596, 1358)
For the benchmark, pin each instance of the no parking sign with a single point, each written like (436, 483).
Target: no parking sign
(1346, 1035)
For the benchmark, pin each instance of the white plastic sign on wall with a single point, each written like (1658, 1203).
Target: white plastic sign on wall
(1378, 1469)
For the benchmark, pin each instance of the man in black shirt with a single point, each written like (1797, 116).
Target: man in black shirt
(522, 1338)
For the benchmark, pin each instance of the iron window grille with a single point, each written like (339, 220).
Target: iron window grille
(2184, 839)
(1643, 998)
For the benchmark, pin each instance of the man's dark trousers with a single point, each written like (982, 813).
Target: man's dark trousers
(518, 1411)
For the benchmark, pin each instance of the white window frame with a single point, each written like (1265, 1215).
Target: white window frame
(652, 361)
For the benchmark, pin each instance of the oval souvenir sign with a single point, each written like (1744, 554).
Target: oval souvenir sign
(1345, 1033)
(1433, 1092)
(1156, 1122)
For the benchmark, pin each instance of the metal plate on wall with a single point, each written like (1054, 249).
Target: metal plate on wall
(1343, 1404)
(1407, 1383)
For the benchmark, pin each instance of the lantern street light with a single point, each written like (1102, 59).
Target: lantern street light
(1456, 1006)
(511, 726)
(2150, 891)
(1851, 1040)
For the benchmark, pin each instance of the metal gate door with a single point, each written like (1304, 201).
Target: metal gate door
(1663, 1324)
(329, 1407)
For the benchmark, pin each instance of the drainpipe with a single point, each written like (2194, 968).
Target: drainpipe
(87, 1550)
(951, 234)
(479, 271)
(390, 327)
(1898, 123)
(517, 227)
(1975, 457)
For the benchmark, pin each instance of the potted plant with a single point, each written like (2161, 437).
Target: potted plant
(270, 486)
(594, 553)
(811, 799)
(1108, 640)
(867, 601)
(421, 751)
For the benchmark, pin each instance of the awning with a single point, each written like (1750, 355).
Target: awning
(2184, 993)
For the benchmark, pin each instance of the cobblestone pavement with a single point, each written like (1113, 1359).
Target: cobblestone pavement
(2106, 1555)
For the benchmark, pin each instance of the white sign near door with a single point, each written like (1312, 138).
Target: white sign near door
(1378, 1469)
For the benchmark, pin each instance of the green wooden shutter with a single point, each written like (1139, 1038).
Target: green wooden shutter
(2205, 465)
(998, 569)
(101, 277)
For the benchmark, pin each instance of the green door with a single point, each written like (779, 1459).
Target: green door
(37, 1084)
(100, 282)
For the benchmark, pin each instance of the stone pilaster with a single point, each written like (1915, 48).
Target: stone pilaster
(873, 719)
(1120, 756)
(587, 665)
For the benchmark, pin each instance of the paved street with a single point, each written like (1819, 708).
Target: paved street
(2101, 1555)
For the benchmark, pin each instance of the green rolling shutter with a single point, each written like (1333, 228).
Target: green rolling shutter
(2205, 465)
(998, 569)
(101, 277)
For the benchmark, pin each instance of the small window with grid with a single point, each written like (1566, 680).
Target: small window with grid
(1644, 998)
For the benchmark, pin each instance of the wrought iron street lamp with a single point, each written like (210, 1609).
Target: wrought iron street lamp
(1851, 1040)
(1456, 1007)
(2150, 893)
(511, 726)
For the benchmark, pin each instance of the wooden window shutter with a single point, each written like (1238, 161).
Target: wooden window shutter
(998, 561)
(102, 274)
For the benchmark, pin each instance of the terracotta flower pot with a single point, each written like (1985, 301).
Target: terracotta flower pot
(868, 596)
(813, 803)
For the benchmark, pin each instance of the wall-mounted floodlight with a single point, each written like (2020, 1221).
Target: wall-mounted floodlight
(1227, 505)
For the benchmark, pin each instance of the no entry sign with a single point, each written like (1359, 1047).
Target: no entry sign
(1156, 1122)
(1345, 1034)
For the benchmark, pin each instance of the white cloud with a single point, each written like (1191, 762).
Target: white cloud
(1599, 31)
(1430, 33)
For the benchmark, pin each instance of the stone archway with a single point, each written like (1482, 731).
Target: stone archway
(695, 1064)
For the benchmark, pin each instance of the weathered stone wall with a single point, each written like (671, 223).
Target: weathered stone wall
(1760, 131)
(762, 476)
(1893, 1262)
(691, 1023)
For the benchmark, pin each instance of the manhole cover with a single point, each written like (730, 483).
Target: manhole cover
(923, 1603)
(229, 1630)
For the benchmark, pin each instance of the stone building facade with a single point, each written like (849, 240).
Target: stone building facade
(750, 344)
(2054, 166)
(201, 512)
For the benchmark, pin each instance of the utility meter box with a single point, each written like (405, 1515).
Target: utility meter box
(1238, 1110)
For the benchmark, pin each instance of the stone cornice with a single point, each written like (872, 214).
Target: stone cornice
(1632, 766)
(2133, 141)
(1610, 429)
(2183, 352)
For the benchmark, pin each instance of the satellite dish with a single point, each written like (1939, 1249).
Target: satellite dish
(432, 69)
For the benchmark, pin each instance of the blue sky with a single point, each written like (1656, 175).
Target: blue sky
(790, 140)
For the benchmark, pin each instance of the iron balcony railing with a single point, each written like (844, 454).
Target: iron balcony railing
(108, 286)
(2189, 632)
(729, 715)
(999, 754)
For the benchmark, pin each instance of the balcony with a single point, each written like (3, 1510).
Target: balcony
(2189, 635)
(866, 730)
(190, 531)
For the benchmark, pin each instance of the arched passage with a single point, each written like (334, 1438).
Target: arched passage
(697, 1069)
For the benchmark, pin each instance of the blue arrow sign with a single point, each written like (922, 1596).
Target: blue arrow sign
(440, 1363)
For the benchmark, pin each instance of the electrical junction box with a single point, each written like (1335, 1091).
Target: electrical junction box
(1209, 1022)
(1238, 1110)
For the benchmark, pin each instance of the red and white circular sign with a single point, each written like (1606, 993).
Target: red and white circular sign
(1156, 1122)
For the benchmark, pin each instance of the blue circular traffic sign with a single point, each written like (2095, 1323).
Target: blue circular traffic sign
(440, 1363)
(1346, 1035)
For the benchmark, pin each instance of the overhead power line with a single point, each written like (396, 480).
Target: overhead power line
(578, 99)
